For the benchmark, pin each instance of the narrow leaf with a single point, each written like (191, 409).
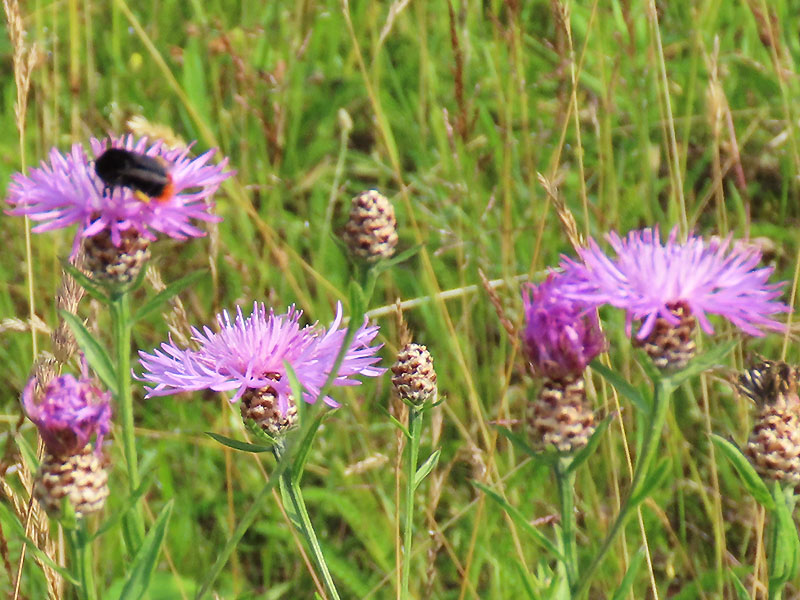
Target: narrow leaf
(784, 562)
(300, 456)
(751, 480)
(394, 421)
(98, 359)
(520, 519)
(622, 386)
(237, 444)
(145, 560)
(28, 453)
(630, 576)
(92, 287)
(257, 432)
(741, 591)
(521, 444)
(288, 506)
(387, 264)
(19, 533)
(584, 453)
(119, 514)
(426, 468)
(704, 362)
(652, 481)
(173, 289)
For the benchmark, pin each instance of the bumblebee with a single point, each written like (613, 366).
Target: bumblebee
(147, 176)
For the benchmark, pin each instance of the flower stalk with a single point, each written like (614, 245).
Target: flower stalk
(292, 488)
(415, 416)
(81, 550)
(133, 524)
(565, 480)
(663, 389)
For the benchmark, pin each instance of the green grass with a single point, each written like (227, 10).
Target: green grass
(269, 83)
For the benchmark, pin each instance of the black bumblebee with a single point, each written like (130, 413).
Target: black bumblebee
(147, 176)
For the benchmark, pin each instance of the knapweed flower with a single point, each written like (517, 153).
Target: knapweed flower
(248, 354)
(371, 229)
(69, 413)
(413, 375)
(667, 288)
(560, 338)
(66, 190)
(774, 443)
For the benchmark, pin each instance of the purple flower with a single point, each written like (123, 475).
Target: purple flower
(67, 190)
(250, 353)
(561, 336)
(69, 413)
(649, 280)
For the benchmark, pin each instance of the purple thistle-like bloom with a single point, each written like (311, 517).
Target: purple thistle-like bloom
(68, 414)
(561, 336)
(648, 280)
(249, 352)
(66, 190)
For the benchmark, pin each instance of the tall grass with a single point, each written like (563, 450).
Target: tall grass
(490, 127)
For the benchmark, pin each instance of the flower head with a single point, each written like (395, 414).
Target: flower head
(251, 352)
(67, 190)
(68, 414)
(561, 336)
(649, 280)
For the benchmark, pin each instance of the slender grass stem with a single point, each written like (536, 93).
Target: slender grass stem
(566, 495)
(133, 527)
(415, 417)
(658, 414)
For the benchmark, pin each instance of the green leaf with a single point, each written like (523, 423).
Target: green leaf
(521, 444)
(751, 480)
(96, 355)
(357, 301)
(525, 578)
(741, 591)
(300, 456)
(385, 265)
(119, 514)
(92, 287)
(28, 453)
(520, 520)
(630, 576)
(623, 387)
(652, 481)
(19, 533)
(584, 453)
(173, 289)
(394, 421)
(145, 560)
(257, 432)
(426, 468)
(703, 362)
(288, 506)
(785, 556)
(237, 444)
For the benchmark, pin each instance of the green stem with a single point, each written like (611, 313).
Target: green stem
(414, 428)
(81, 551)
(133, 528)
(658, 414)
(292, 489)
(565, 480)
(247, 520)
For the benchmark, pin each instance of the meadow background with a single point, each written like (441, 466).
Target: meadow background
(486, 123)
